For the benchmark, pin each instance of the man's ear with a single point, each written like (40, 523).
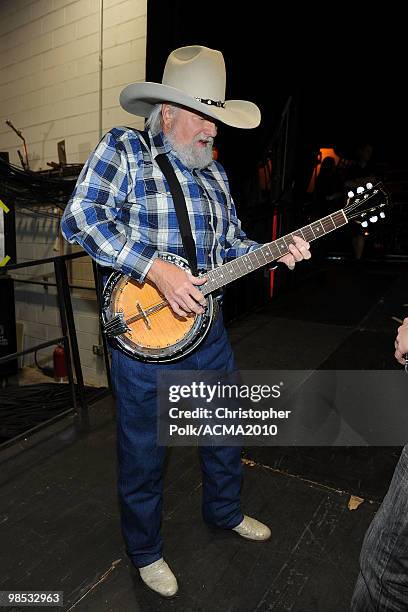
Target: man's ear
(167, 117)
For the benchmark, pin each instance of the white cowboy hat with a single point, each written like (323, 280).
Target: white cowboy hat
(193, 77)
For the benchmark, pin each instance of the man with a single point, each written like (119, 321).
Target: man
(382, 584)
(123, 215)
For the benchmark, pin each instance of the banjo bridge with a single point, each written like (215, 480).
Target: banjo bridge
(143, 315)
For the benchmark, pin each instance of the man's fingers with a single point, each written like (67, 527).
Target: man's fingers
(288, 260)
(196, 293)
(190, 299)
(300, 250)
(306, 253)
(198, 280)
(303, 247)
(198, 296)
(177, 309)
(300, 243)
(297, 252)
(192, 305)
(298, 256)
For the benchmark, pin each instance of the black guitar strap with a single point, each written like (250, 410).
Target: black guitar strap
(180, 206)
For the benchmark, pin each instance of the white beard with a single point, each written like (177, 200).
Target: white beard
(191, 156)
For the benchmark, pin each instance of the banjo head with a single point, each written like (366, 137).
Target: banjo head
(148, 328)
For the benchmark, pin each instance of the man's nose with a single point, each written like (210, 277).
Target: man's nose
(210, 128)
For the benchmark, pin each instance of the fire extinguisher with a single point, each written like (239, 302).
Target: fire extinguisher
(60, 368)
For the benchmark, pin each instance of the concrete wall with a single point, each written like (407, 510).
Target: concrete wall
(49, 89)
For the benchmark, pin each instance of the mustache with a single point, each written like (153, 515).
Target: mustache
(208, 139)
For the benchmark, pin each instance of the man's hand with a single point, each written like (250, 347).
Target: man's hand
(401, 342)
(178, 287)
(297, 253)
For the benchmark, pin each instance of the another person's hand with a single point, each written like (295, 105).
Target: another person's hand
(401, 342)
(178, 287)
(298, 251)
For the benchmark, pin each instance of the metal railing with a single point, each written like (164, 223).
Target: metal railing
(68, 338)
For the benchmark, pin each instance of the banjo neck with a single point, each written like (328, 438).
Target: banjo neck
(269, 252)
(142, 325)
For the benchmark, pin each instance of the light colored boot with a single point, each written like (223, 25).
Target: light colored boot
(159, 577)
(251, 529)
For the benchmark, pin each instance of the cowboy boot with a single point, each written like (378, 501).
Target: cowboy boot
(159, 577)
(251, 529)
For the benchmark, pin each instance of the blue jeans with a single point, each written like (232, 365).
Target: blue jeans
(140, 460)
(382, 584)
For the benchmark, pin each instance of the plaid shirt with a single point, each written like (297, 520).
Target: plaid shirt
(122, 212)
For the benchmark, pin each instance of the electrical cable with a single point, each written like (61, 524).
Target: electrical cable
(26, 187)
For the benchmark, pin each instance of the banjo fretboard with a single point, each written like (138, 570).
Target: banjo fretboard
(271, 251)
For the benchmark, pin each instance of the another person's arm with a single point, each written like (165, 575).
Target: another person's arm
(401, 342)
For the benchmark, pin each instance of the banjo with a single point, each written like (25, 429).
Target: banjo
(140, 322)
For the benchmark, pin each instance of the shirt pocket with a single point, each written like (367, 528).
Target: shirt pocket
(158, 203)
(160, 218)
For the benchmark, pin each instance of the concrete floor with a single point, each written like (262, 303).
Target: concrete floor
(59, 522)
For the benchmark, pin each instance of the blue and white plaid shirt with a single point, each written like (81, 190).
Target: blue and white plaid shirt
(122, 212)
